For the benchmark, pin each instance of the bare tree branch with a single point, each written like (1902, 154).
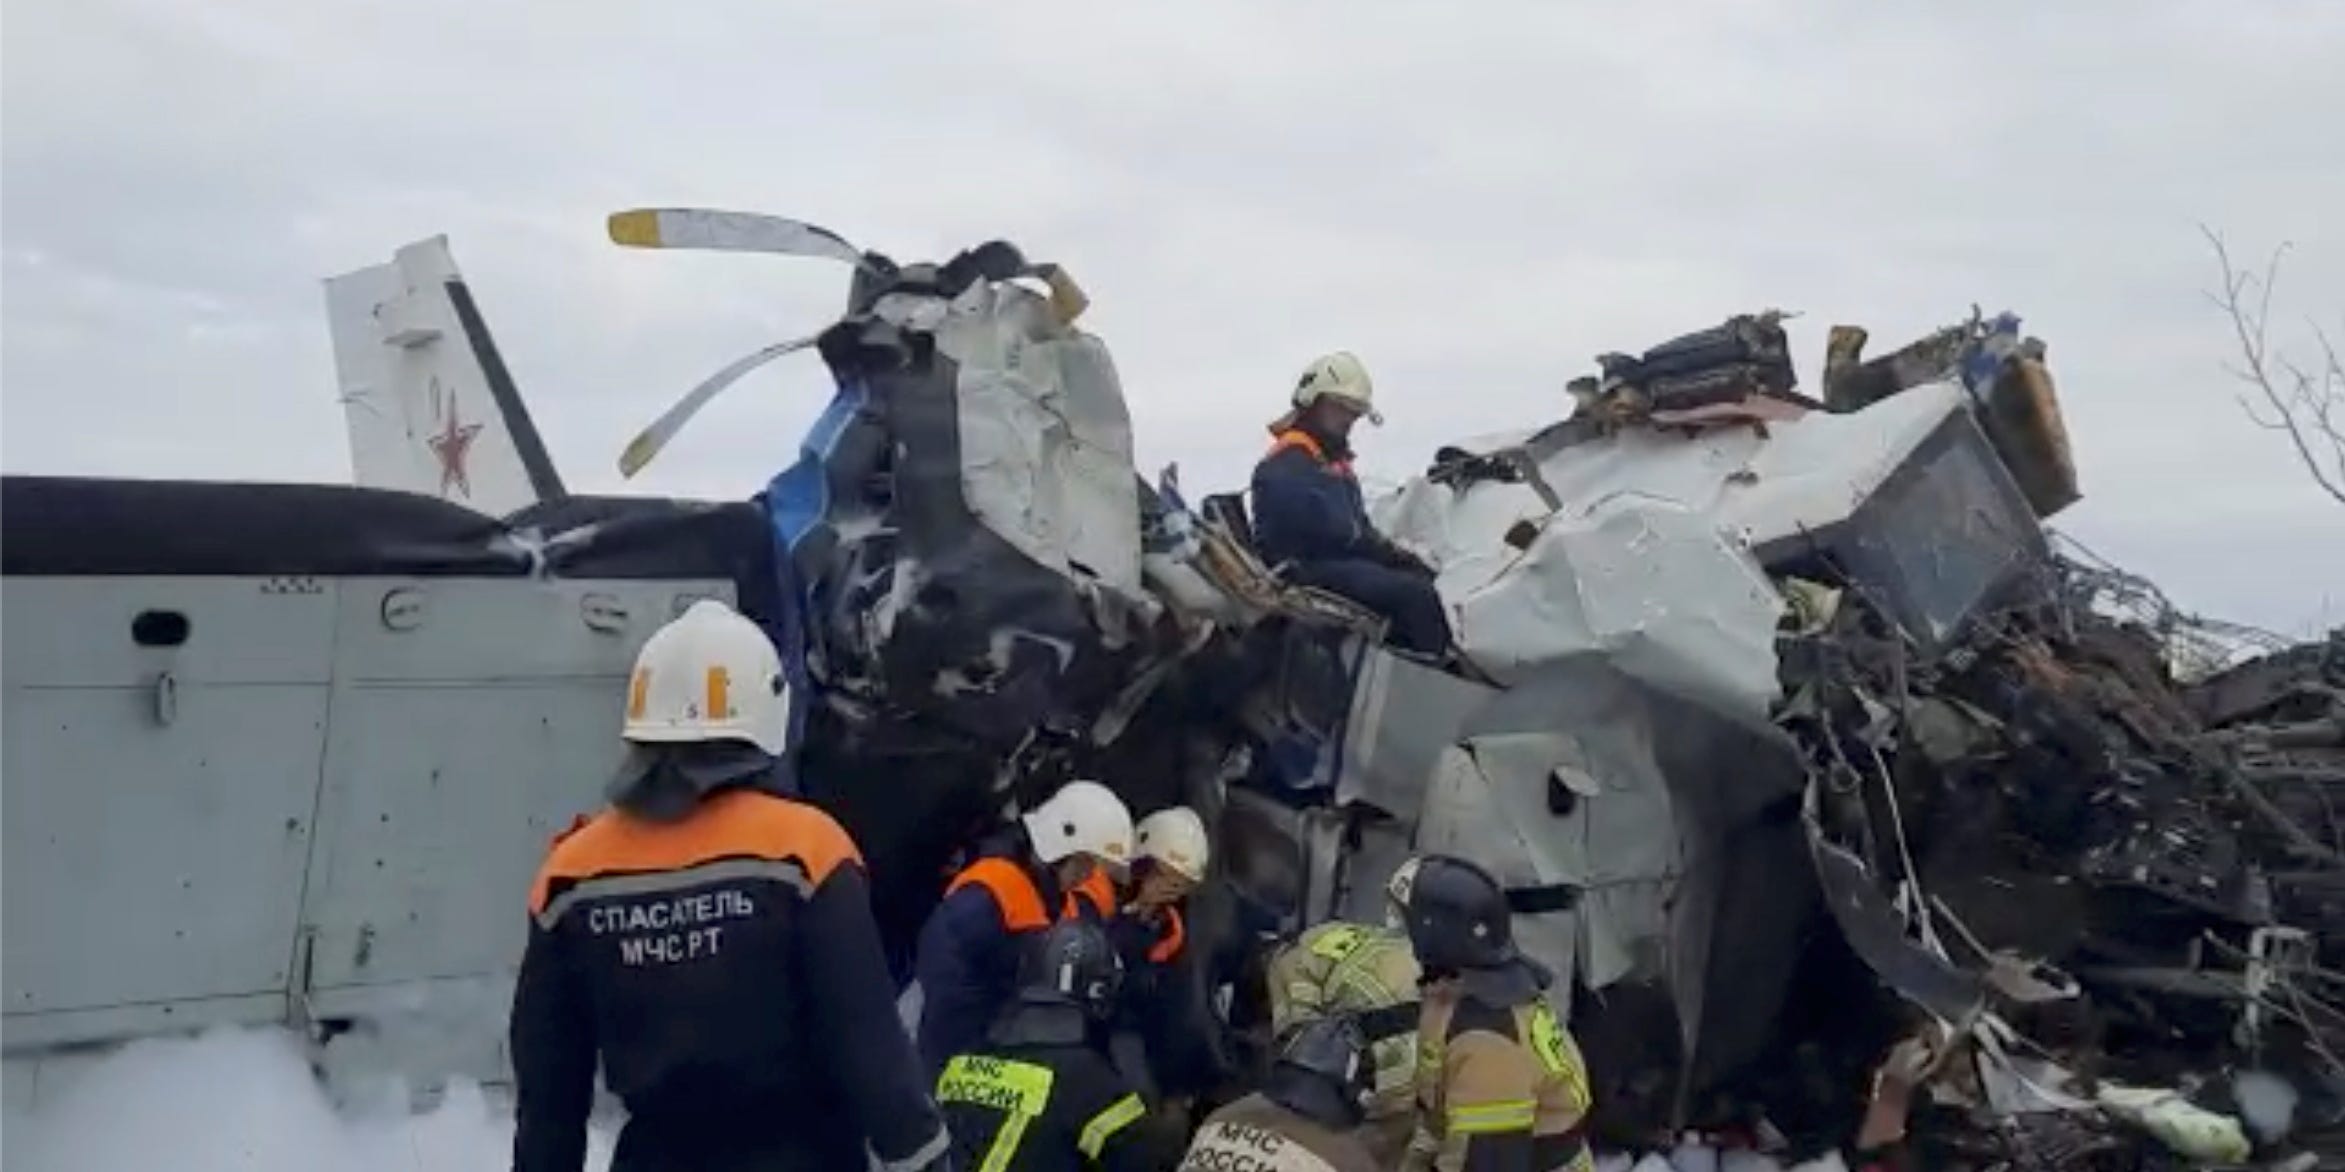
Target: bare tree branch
(2307, 406)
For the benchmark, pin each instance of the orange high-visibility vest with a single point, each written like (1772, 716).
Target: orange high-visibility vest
(1020, 901)
(1305, 440)
(1169, 944)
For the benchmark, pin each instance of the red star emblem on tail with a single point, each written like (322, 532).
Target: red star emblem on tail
(452, 443)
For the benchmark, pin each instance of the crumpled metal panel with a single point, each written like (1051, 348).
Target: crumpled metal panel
(963, 526)
(1677, 820)
(1801, 476)
(1875, 930)
(1046, 438)
(1403, 715)
(1495, 821)
(1658, 590)
(1907, 496)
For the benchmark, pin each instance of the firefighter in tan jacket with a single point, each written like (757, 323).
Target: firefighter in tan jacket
(1369, 973)
(1500, 1083)
(1306, 1117)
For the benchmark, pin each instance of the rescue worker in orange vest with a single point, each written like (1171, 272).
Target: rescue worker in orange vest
(1306, 1118)
(1172, 851)
(1500, 1082)
(1176, 1058)
(1311, 521)
(1037, 1094)
(1058, 862)
(709, 941)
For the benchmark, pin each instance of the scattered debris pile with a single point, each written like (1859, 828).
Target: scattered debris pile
(2112, 901)
(2066, 848)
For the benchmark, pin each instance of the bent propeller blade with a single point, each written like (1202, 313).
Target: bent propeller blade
(646, 445)
(702, 228)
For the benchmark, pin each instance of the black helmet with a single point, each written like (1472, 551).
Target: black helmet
(1458, 919)
(1323, 1072)
(1072, 964)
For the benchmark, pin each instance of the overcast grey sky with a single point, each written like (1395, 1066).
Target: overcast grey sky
(1477, 197)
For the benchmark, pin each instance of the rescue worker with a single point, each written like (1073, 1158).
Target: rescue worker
(1171, 850)
(710, 941)
(1038, 1094)
(1500, 1082)
(1173, 1054)
(1311, 520)
(1306, 1117)
(1369, 973)
(1055, 863)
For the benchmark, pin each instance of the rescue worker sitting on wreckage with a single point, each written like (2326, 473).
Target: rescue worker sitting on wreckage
(1310, 518)
(1038, 1093)
(1367, 973)
(710, 940)
(1055, 864)
(1308, 1115)
(1500, 1082)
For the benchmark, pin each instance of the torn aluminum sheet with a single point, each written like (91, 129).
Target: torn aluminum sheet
(1403, 716)
(1046, 438)
(1287, 862)
(1687, 846)
(1905, 497)
(963, 523)
(1803, 476)
(1658, 590)
(1877, 932)
(1619, 845)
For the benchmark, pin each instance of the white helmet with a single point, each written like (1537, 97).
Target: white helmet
(1175, 837)
(1397, 890)
(1338, 376)
(709, 675)
(1083, 818)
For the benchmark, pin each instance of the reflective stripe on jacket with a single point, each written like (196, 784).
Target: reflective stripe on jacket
(1307, 507)
(1351, 968)
(1500, 1087)
(1044, 1109)
(726, 972)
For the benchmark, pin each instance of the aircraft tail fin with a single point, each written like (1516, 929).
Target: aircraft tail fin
(430, 405)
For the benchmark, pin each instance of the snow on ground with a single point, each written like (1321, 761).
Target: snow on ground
(246, 1101)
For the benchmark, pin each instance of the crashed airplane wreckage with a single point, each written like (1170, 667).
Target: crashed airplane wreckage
(1781, 708)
